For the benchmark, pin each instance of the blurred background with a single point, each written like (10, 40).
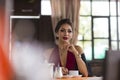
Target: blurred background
(99, 26)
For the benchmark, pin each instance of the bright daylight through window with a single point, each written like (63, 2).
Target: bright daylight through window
(98, 26)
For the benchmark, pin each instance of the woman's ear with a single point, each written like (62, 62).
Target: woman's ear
(56, 35)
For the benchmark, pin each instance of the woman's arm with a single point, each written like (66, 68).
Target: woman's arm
(80, 63)
(81, 66)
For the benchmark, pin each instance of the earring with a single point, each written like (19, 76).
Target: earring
(57, 36)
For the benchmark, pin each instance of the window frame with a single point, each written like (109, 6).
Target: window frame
(109, 28)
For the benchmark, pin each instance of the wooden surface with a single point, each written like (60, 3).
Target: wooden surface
(73, 78)
(80, 78)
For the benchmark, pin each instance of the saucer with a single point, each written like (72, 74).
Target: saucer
(71, 76)
(77, 76)
(67, 76)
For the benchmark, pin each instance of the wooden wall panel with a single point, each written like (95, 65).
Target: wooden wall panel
(26, 7)
(45, 31)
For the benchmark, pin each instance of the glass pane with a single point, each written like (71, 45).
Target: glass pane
(100, 46)
(119, 26)
(87, 48)
(100, 8)
(85, 8)
(80, 43)
(85, 28)
(113, 8)
(119, 8)
(119, 44)
(100, 27)
(45, 7)
(114, 45)
(113, 25)
(100, 0)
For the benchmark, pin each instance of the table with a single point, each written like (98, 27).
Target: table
(81, 78)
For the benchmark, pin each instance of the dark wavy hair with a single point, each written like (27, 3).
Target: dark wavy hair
(61, 22)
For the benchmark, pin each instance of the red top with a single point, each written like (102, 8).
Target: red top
(70, 62)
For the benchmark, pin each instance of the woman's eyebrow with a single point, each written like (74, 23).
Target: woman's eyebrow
(66, 29)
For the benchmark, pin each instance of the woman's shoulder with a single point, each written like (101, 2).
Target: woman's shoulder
(79, 49)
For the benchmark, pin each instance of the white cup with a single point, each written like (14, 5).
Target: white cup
(73, 72)
(51, 65)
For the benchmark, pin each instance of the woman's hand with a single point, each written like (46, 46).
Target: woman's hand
(69, 47)
(72, 49)
(64, 71)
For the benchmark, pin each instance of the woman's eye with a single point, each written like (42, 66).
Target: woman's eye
(69, 31)
(62, 30)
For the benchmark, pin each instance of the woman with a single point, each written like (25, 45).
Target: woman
(66, 54)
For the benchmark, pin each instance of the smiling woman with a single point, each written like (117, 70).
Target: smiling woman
(65, 53)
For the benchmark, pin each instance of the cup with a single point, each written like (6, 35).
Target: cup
(73, 72)
(50, 69)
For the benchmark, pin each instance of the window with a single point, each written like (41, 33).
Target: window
(99, 27)
(45, 7)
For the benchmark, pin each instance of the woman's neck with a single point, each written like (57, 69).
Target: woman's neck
(61, 44)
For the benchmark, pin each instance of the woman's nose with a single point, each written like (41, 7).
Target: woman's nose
(66, 32)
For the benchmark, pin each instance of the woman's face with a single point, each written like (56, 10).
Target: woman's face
(65, 33)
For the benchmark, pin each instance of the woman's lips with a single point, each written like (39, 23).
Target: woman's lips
(65, 38)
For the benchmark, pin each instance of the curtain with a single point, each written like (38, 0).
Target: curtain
(66, 9)
(5, 66)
